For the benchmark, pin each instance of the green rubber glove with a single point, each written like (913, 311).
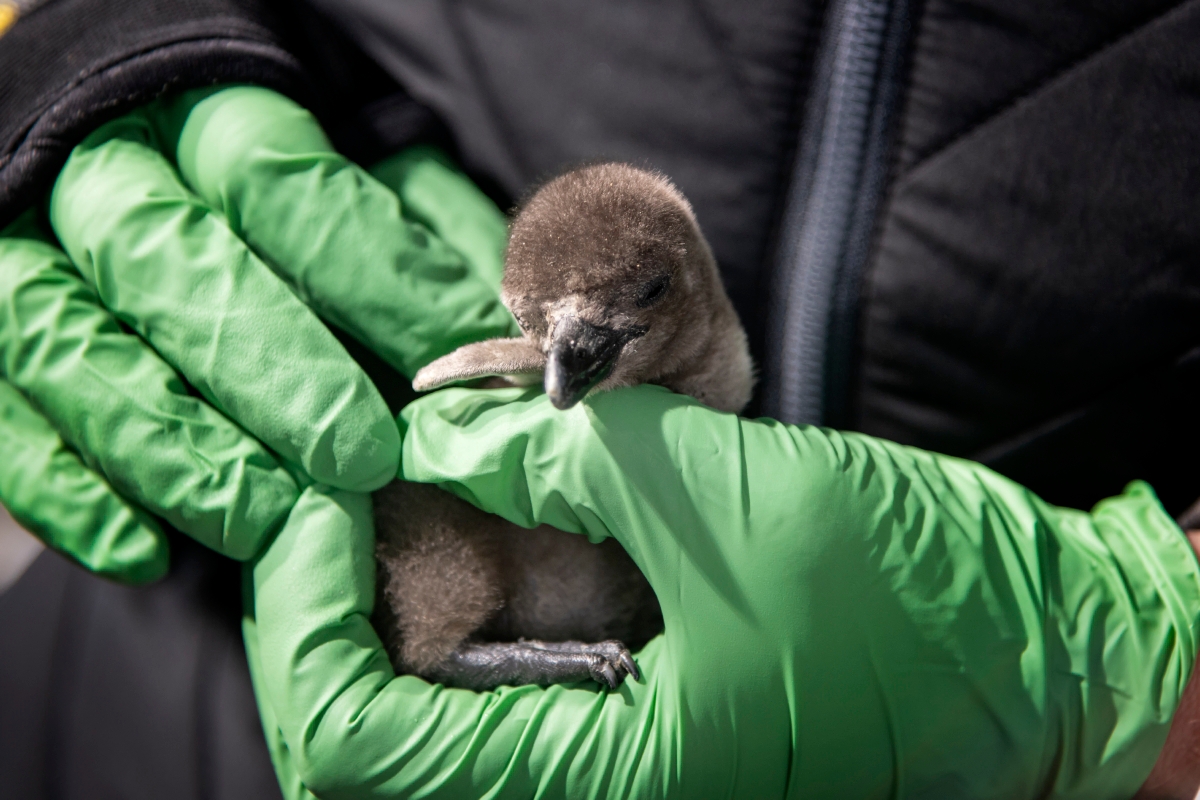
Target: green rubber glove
(133, 422)
(50, 492)
(845, 617)
(203, 235)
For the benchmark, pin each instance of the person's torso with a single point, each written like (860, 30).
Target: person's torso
(1012, 274)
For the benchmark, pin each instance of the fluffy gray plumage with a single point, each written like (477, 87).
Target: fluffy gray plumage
(613, 285)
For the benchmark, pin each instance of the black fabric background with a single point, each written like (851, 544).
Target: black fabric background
(1037, 280)
(108, 691)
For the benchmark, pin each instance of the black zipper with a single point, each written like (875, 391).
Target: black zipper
(838, 181)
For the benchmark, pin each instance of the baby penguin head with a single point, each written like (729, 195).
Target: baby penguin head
(613, 284)
(610, 278)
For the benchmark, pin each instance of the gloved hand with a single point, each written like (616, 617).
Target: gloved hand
(198, 237)
(845, 617)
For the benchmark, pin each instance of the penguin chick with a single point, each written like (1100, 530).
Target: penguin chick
(613, 284)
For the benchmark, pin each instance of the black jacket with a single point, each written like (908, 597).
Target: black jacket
(969, 226)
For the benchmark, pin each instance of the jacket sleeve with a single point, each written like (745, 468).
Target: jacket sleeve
(83, 62)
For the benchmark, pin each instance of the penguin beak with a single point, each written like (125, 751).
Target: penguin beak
(581, 355)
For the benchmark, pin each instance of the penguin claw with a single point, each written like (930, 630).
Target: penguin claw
(605, 674)
(615, 662)
(630, 665)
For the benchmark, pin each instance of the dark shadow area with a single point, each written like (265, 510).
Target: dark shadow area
(113, 691)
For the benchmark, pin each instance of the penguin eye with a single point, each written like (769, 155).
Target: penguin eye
(653, 291)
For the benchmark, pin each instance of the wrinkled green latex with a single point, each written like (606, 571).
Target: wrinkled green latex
(116, 402)
(845, 617)
(174, 271)
(201, 233)
(380, 264)
(51, 493)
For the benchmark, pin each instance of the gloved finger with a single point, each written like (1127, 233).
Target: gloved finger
(339, 236)
(631, 464)
(126, 412)
(170, 268)
(72, 509)
(435, 193)
(354, 729)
